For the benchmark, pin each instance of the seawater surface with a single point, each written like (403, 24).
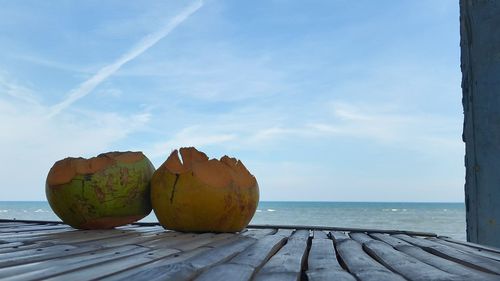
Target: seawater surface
(446, 219)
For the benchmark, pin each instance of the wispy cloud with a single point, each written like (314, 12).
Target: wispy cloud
(147, 42)
(31, 143)
(15, 90)
(376, 123)
(218, 73)
(273, 133)
(53, 64)
(190, 136)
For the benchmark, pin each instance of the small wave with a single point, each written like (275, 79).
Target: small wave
(394, 210)
(446, 210)
(271, 210)
(258, 211)
(40, 211)
(4, 211)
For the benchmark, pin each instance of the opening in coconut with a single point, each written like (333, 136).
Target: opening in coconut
(65, 170)
(215, 172)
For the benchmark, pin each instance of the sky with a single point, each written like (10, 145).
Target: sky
(321, 100)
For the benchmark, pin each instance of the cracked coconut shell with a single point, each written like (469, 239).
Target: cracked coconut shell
(197, 194)
(106, 191)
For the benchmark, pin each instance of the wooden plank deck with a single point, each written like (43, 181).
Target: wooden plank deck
(32, 250)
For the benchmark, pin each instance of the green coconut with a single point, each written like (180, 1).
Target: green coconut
(102, 192)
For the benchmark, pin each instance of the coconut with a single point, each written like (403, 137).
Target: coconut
(197, 194)
(102, 192)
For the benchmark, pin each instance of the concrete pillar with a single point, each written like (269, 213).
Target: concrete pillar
(480, 63)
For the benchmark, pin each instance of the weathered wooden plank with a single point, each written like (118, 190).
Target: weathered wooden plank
(247, 261)
(29, 221)
(473, 245)
(87, 236)
(213, 239)
(420, 242)
(227, 271)
(259, 233)
(71, 235)
(12, 224)
(344, 229)
(85, 239)
(127, 226)
(100, 270)
(260, 252)
(185, 241)
(24, 236)
(322, 255)
(403, 264)
(474, 261)
(131, 238)
(138, 228)
(172, 261)
(322, 275)
(277, 276)
(360, 264)
(444, 264)
(32, 228)
(50, 268)
(20, 246)
(155, 265)
(360, 237)
(39, 254)
(125, 239)
(231, 238)
(284, 232)
(320, 234)
(134, 226)
(190, 268)
(470, 250)
(323, 263)
(10, 245)
(288, 262)
(222, 253)
(338, 236)
(391, 240)
(301, 234)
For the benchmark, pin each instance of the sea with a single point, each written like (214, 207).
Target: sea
(446, 219)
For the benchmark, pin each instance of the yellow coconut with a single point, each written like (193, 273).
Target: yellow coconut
(199, 194)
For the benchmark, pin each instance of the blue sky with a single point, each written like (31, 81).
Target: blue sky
(322, 100)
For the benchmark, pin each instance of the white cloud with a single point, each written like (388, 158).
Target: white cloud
(213, 74)
(255, 129)
(37, 60)
(392, 125)
(270, 134)
(31, 143)
(385, 124)
(15, 90)
(190, 136)
(147, 42)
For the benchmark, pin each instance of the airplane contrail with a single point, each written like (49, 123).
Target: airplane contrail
(147, 42)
